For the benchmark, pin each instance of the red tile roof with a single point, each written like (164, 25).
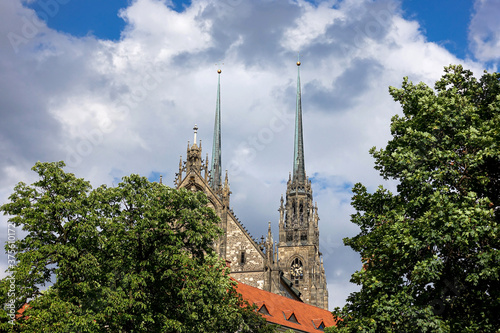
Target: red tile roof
(20, 312)
(280, 309)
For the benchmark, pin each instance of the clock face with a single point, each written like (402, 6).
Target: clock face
(296, 270)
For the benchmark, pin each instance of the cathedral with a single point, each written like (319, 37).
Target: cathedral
(291, 267)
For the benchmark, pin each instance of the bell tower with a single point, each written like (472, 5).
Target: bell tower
(298, 247)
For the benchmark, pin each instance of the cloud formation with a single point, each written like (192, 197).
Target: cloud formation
(111, 108)
(484, 30)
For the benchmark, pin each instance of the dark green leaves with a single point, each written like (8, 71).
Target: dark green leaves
(431, 251)
(133, 258)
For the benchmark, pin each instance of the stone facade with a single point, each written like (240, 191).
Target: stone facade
(248, 259)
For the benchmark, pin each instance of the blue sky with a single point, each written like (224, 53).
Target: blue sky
(445, 22)
(115, 87)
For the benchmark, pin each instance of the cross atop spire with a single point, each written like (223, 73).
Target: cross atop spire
(216, 166)
(299, 173)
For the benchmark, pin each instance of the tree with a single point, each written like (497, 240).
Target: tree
(430, 252)
(133, 258)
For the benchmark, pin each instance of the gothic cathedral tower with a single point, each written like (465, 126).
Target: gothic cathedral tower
(298, 247)
(294, 267)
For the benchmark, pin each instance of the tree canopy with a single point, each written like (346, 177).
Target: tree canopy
(430, 252)
(137, 257)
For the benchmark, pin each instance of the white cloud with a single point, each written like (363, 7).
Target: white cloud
(484, 30)
(311, 25)
(111, 108)
(156, 30)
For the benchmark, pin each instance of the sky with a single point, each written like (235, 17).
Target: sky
(116, 87)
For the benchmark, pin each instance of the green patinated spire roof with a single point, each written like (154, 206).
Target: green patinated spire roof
(216, 170)
(299, 172)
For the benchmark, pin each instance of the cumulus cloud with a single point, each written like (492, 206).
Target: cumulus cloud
(111, 108)
(484, 30)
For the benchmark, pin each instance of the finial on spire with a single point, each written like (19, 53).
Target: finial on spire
(195, 129)
(298, 58)
(219, 70)
(205, 168)
(226, 182)
(180, 172)
(269, 238)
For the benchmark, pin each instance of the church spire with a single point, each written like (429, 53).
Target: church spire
(216, 148)
(298, 247)
(299, 173)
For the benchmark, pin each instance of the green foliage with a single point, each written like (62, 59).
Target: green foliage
(133, 258)
(431, 259)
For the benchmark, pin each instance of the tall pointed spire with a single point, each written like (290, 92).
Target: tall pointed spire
(298, 226)
(299, 173)
(216, 170)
